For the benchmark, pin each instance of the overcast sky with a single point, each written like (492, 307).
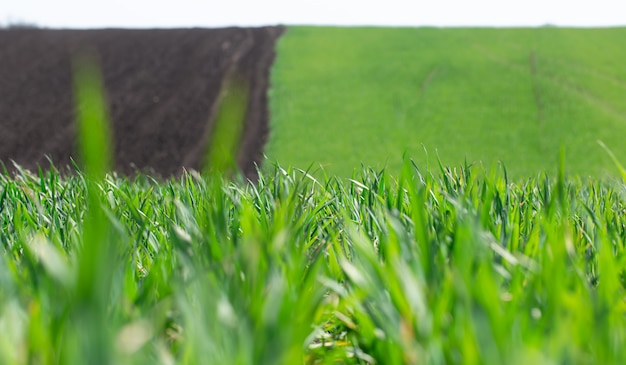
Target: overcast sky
(214, 13)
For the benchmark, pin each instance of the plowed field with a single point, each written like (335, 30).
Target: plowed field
(162, 89)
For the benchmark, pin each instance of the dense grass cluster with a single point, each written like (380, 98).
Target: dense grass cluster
(457, 267)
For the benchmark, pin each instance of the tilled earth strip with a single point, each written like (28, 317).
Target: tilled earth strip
(162, 89)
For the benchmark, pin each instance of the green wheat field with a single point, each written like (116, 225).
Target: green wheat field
(457, 259)
(342, 97)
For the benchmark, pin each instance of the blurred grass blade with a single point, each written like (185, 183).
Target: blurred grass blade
(98, 252)
(52, 260)
(225, 140)
(94, 136)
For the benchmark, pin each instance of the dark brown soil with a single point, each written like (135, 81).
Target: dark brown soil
(162, 90)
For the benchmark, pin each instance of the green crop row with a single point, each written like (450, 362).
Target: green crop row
(462, 268)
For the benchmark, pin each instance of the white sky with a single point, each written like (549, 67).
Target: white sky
(217, 13)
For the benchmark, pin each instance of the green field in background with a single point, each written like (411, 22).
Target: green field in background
(345, 96)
